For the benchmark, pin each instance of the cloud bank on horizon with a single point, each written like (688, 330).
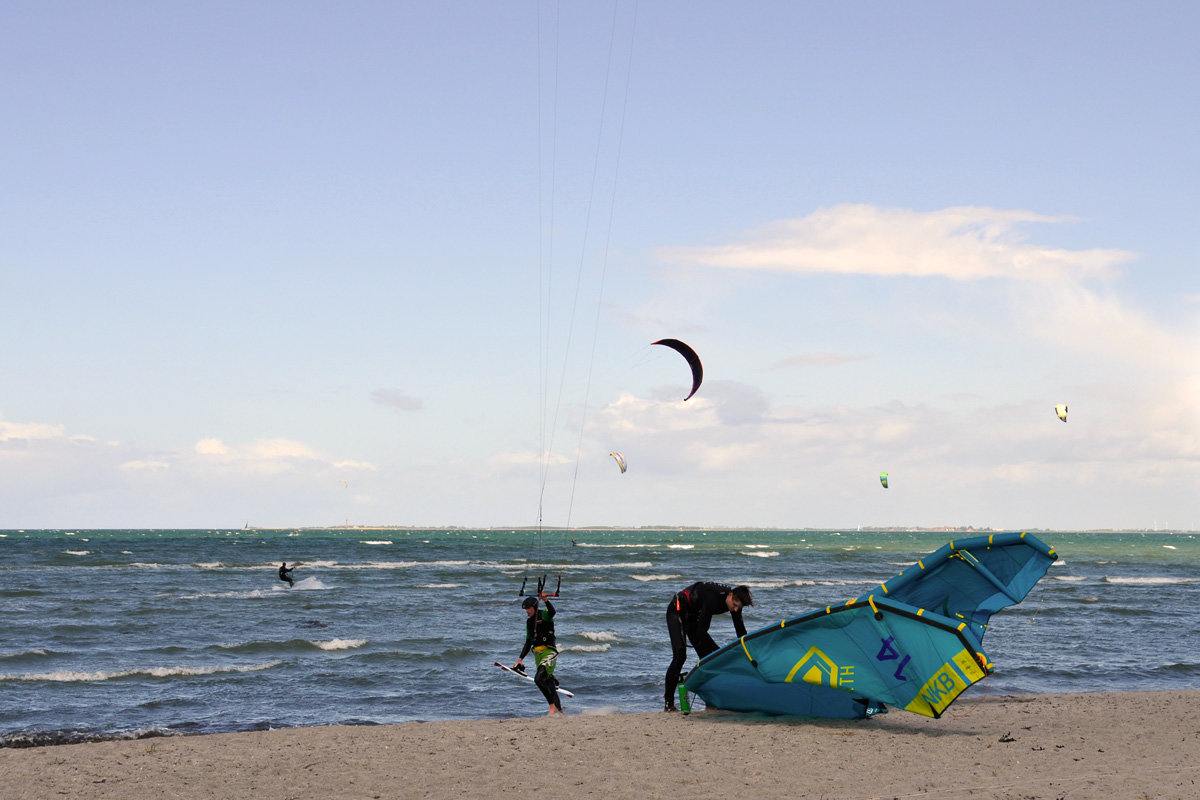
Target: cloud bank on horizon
(734, 449)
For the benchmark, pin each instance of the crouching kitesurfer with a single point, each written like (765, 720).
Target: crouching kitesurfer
(539, 637)
(689, 614)
(285, 574)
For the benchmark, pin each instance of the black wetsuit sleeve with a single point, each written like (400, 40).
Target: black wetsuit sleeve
(528, 639)
(738, 625)
(549, 608)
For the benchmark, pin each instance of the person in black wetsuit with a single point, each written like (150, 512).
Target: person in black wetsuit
(539, 637)
(689, 614)
(285, 574)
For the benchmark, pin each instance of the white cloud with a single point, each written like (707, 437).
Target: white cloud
(280, 450)
(1077, 319)
(211, 447)
(632, 414)
(355, 465)
(32, 432)
(261, 456)
(27, 431)
(967, 243)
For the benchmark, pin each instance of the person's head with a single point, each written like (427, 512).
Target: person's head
(530, 605)
(739, 598)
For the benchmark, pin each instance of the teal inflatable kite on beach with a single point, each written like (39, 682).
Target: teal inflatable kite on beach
(914, 642)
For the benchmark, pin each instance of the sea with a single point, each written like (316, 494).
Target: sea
(132, 633)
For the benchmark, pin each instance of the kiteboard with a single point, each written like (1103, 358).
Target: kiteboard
(529, 678)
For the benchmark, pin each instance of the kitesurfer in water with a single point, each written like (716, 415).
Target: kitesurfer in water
(539, 637)
(689, 614)
(285, 574)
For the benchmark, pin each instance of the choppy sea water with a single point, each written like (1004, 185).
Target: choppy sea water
(112, 633)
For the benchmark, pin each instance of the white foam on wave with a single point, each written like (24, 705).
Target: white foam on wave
(242, 593)
(681, 547)
(761, 553)
(573, 567)
(382, 564)
(654, 577)
(77, 552)
(586, 648)
(376, 541)
(599, 636)
(841, 582)
(525, 566)
(1150, 581)
(331, 565)
(615, 546)
(305, 585)
(341, 644)
(440, 585)
(778, 584)
(756, 546)
(1069, 578)
(37, 651)
(75, 676)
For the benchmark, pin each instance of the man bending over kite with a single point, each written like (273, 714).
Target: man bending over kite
(689, 614)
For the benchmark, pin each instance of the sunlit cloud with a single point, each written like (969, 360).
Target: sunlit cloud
(1079, 319)
(211, 447)
(18, 432)
(264, 456)
(966, 243)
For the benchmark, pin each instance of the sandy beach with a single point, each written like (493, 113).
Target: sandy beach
(1102, 745)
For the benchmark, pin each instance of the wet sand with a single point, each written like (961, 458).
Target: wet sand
(1057, 747)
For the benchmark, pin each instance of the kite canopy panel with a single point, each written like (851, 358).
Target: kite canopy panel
(971, 579)
(914, 643)
(693, 360)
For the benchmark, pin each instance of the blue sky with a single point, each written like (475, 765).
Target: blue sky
(298, 264)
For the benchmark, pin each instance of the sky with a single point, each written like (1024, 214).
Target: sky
(403, 263)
